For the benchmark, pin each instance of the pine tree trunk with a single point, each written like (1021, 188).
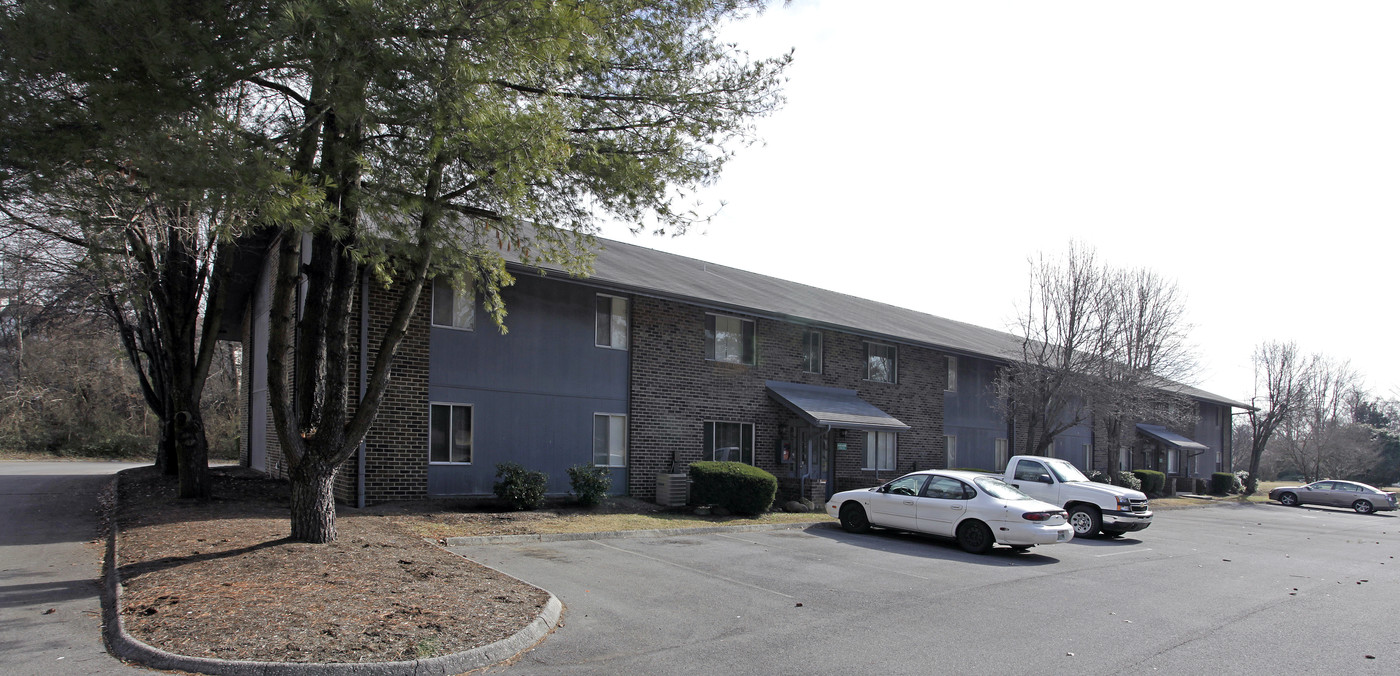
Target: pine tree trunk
(313, 503)
(167, 452)
(193, 449)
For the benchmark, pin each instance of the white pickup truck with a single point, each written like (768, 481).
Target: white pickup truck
(1092, 507)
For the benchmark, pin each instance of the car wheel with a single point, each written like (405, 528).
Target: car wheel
(1363, 507)
(1288, 500)
(1085, 519)
(853, 518)
(975, 537)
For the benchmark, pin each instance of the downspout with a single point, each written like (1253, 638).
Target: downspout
(364, 371)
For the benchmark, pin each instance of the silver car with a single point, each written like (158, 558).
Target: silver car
(1360, 497)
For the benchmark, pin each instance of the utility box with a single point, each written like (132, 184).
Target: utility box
(672, 490)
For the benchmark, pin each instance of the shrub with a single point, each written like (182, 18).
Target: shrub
(590, 484)
(1153, 482)
(1224, 483)
(740, 488)
(1202, 486)
(1129, 480)
(518, 487)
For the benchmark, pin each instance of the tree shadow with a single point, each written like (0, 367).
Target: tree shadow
(133, 570)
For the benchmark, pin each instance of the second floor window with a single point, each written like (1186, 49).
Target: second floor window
(812, 351)
(952, 385)
(881, 362)
(611, 322)
(453, 308)
(729, 339)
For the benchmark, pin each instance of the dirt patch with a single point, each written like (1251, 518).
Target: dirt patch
(221, 580)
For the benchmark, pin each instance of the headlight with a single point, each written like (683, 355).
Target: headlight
(1124, 503)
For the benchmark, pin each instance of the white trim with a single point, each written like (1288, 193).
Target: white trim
(626, 450)
(472, 420)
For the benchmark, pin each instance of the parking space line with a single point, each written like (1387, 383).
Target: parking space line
(1134, 551)
(693, 570)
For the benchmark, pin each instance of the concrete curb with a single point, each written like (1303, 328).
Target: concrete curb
(124, 646)
(627, 534)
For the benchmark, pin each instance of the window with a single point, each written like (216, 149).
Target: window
(906, 485)
(880, 450)
(1050, 450)
(729, 442)
(609, 440)
(952, 374)
(1003, 455)
(1030, 470)
(1125, 459)
(1172, 459)
(450, 434)
(1088, 458)
(951, 443)
(452, 308)
(812, 351)
(729, 339)
(611, 322)
(881, 362)
(947, 488)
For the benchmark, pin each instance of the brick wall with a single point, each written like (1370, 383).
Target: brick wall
(675, 390)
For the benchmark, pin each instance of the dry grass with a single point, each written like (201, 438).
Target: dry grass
(440, 525)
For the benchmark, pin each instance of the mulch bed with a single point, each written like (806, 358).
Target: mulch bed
(222, 580)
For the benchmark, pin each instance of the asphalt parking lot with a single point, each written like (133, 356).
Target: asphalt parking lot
(1224, 589)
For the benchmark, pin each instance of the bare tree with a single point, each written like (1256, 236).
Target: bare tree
(1281, 378)
(1146, 353)
(1319, 441)
(1064, 334)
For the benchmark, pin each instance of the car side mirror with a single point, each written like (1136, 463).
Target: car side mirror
(1044, 478)
(885, 488)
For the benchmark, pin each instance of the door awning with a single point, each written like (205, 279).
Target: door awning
(1170, 438)
(833, 407)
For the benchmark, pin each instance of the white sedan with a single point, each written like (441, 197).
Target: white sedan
(977, 509)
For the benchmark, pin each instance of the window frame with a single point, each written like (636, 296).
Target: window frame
(608, 452)
(711, 432)
(470, 297)
(872, 451)
(452, 406)
(952, 384)
(894, 362)
(807, 359)
(749, 350)
(612, 312)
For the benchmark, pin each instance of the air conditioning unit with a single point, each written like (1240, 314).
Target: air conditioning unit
(672, 490)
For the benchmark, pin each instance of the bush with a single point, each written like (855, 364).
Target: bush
(1153, 482)
(590, 484)
(1224, 483)
(739, 488)
(1125, 479)
(518, 487)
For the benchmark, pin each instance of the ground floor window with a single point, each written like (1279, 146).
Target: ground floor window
(1003, 455)
(880, 450)
(609, 440)
(729, 442)
(951, 443)
(450, 433)
(1173, 460)
(1125, 459)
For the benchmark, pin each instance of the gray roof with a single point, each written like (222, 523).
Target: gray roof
(655, 273)
(833, 407)
(1171, 438)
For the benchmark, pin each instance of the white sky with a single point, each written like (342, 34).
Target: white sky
(1248, 150)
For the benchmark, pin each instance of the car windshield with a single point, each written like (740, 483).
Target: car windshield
(1066, 472)
(1000, 489)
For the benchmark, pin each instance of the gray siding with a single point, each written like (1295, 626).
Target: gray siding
(1211, 426)
(971, 414)
(533, 390)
